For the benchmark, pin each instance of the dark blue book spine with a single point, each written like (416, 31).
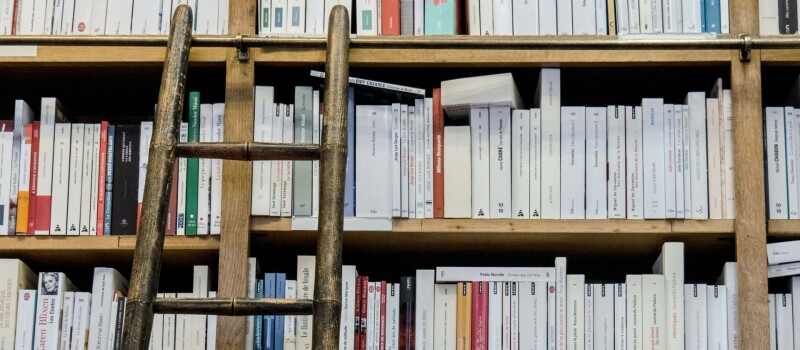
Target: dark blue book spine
(350, 177)
(280, 293)
(258, 324)
(109, 181)
(712, 16)
(269, 320)
(703, 16)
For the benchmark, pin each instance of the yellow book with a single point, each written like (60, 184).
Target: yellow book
(464, 316)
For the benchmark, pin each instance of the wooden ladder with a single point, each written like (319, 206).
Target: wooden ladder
(164, 148)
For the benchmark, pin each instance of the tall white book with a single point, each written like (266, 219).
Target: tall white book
(653, 166)
(535, 153)
(696, 309)
(198, 322)
(669, 161)
(404, 160)
(479, 130)
(289, 325)
(623, 22)
(105, 284)
(583, 18)
(687, 164)
(784, 321)
(66, 320)
(525, 17)
(393, 317)
(180, 227)
(715, 210)
(80, 320)
(507, 316)
(118, 16)
(305, 290)
(548, 100)
(564, 17)
(575, 308)
(419, 158)
(280, 16)
(728, 278)
(487, 17)
(670, 264)
(634, 162)
(262, 132)
(596, 163)
(428, 159)
(146, 17)
(653, 316)
(561, 303)
(697, 155)
(520, 163)
(296, 16)
(204, 171)
(146, 135)
(495, 319)
(444, 324)
(21, 158)
(727, 167)
(588, 316)
(424, 313)
(15, 276)
(617, 191)
(773, 341)
(533, 315)
(26, 318)
(395, 171)
(86, 172)
(52, 286)
(552, 324)
(634, 310)
(316, 17)
(717, 317)
(633, 17)
(457, 172)
(346, 331)
(412, 160)
(217, 132)
(373, 161)
(285, 167)
(499, 164)
(95, 178)
(603, 322)
(620, 316)
(503, 17)
(75, 179)
(61, 154)
(679, 161)
(573, 162)
(51, 113)
(6, 150)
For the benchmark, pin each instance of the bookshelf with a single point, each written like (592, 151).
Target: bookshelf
(587, 240)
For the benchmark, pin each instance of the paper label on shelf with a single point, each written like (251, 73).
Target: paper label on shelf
(18, 51)
(309, 223)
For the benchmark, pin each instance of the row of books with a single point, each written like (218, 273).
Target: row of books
(63, 178)
(108, 17)
(511, 308)
(783, 259)
(781, 150)
(777, 17)
(784, 308)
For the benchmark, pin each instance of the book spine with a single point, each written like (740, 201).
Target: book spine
(634, 309)
(520, 163)
(109, 182)
(603, 322)
(61, 154)
(370, 319)
(101, 179)
(258, 322)
(419, 158)
(303, 133)
(575, 312)
(407, 313)
(305, 290)
(80, 320)
(561, 303)
(180, 226)
(712, 17)
(419, 17)
(573, 162)
(86, 174)
(717, 316)
(499, 167)
(698, 156)
(217, 132)
(276, 169)
(583, 15)
(346, 330)
(438, 155)
(424, 310)
(382, 307)
(26, 319)
(393, 315)
(316, 135)
(480, 315)
(535, 205)
(146, 134)
(126, 176)
(564, 19)
(653, 158)
(262, 132)
(396, 154)
(633, 17)
(503, 17)
(679, 161)
(620, 316)
(479, 129)
(280, 321)
(495, 319)
(687, 164)
(268, 334)
(66, 320)
(390, 17)
(729, 279)
(669, 161)
(93, 185)
(784, 321)
(487, 18)
(350, 176)
(34, 179)
(193, 166)
(204, 172)
(373, 161)
(653, 316)
(596, 164)
(634, 159)
(696, 316)
(773, 341)
(75, 179)
(449, 274)
(730, 180)
(507, 316)
(45, 172)
(658, 15)
(589, 316)
(526, 17)
(23, 192)
(549, 95)
(646, 16)
(404, 161)
(364, 313)
(552, 324)
(715, 210)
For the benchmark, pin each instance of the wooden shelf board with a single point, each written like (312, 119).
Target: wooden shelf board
(780, 57)
(783, 228)
(94, 55)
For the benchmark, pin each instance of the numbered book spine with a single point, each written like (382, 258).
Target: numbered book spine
(61, 152)
(520, 163)
(696, 316)
(573, 162)
(193, 166)
(596, 198)
(499, 165)
(479, 129)
(616, 162)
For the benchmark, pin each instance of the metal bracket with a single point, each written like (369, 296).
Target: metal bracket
(747, 46)
(242, 52)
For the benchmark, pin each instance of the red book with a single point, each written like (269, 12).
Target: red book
(357, 328)
(364, 294)
(438, 155)
(382, 342)
(34, 178)
(390, 17)
(172, 211)
(101, 178)
(480, 315)
(14, 18)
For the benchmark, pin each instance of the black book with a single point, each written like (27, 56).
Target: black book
(407, 310)
(126, 180)
(120, 323)
(787, 16)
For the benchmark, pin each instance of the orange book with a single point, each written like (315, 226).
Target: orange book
(464, 316)
(438, 155)
(390, 17)
(23, 194)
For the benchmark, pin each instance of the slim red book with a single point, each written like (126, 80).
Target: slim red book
(33, 179)
(438, 155)
(480, 315)
(390, 17)
(357, 320)
(101, 178)
(382, 342)
(364, 294)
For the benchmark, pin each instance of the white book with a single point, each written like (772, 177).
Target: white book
(773, 341)
(264, 18)
(573, 162)
(86, 192)
(404, 160)
(783, 252)
(653, 317)
(95, 179)
(412, 161)
(157, 332)
(646, 16)
(768, 22)
(367, 19)
(204, 171)
(276, 170)
(428, 159)
(479, 130)
(346, 332)
(165, 16)
(75, 179)
(495, 320)
(316, 16)
(670, 264)
(698, 156)
(169, 327)
(658, 16)
(444, 324)
(474, 20)
(180, 227)
(653, 155)
(601, 15)
(66, 320)
(551, 316)
(105, 284)
(669, 160)
(728, 279)
(316, 133)
(487, 16)
(296, 21)
(564, 17)
(262, 132)
(52, 287)
(424, 314)
(794, 287)
(679, 161)
(6, 153)
(197, 336)
(118, 17)
(616, 162)
(373, 161)
(693, 16)
(635, 160)
(783, 270)
(535, 152)
(525, 17)
(393, 317)
(26, 318)
(147, 17)
(526, 330)
(603, 316)
(457, 172)
(633, 17)
(725, 17)
(506, 316)
(503, 17)
(575, 312)
(211, 338)
(714, 162)
(670, 15)
(687, 164)
(252, 270)
(50, 114)
(419, 17)
(583, 18)
(696, 309)
(279, 16)
(784, 321)
(520, 133)
(514, 304)
(15, 277)
(548, 99)
(80, 320)
(623, 20)
(620, 316)
(561, 303)
(727, 169)
(450, 274)
(7, 12)
(717, 317)
(31, 18)
(596, 164)
(61, 154)
(206, 17)
(499, 167)
(305, 290)
(183, 326)
(217, 132)
(419, 158)
(289, 326)
(21, 158)
(588, 316)
(395, 172)
(58, 15)
(146, 135)
(634, 327)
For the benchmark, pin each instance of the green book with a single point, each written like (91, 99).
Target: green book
(192, 165)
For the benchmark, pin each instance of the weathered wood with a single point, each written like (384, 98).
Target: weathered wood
(153, 220)
(233, 306)
(328, 277)
(251, 151)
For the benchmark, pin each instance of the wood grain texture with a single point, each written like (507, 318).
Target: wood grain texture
(784, 228)
(744, 17)
(750, 223)
(250, 151)
(82, 56)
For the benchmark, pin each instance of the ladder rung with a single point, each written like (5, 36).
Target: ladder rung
(233, 306)
(251, 151)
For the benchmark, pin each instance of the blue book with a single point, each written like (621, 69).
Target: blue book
(711, 16)
(350, 177)
(258, 322)
(702, 16)
(440, 18)
(109, 181)
(269, 320)
(280, 293)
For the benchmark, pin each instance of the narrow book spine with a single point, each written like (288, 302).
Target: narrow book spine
(192, 166)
